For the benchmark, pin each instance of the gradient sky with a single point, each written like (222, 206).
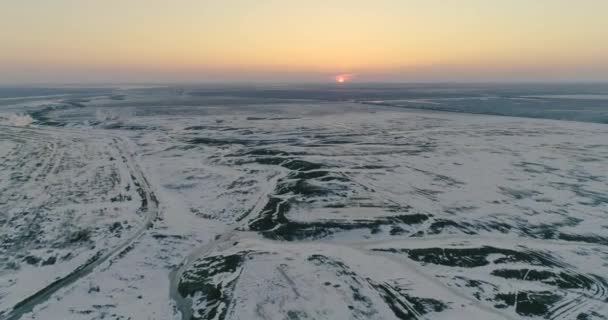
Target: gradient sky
(302, 40)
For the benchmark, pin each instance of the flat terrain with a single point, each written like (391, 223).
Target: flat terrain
(171, 204)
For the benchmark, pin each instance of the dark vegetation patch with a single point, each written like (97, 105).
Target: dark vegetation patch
(266, 152)
(440, 225)
(197, 128)
(562, 280)
(206, 276)
(49, 261)
(140, 191)
(518, 194)
(121, 198)
(532, 167)
(82, 235)
(471, 257)
(220, 142)
(551, 232)
(492, 226)
(32, 260)
(130, 127)
(405, 306)
(591, 315)
(529, 303)
(316, 230)
(115, 227)
(301, 165)
(583, 238)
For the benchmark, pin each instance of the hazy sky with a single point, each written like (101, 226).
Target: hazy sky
(302, 40)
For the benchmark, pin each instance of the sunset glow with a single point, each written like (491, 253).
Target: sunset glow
(275, 40)
(341, 78)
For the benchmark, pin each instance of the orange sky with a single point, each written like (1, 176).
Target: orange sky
(156, 40)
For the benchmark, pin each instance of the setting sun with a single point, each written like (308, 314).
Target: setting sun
(341, 78)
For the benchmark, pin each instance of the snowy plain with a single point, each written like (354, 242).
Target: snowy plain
(176, 204)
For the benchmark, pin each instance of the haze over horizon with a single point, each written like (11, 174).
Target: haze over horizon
(66, 41)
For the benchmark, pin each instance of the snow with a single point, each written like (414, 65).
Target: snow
(333, 210)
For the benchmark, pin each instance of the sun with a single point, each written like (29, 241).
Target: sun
(342, 78)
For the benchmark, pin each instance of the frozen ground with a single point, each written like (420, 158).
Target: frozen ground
(172, 203)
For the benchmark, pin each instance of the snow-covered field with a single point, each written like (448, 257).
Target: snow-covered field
(164, 206)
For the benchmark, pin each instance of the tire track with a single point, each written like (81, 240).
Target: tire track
(581, 300)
